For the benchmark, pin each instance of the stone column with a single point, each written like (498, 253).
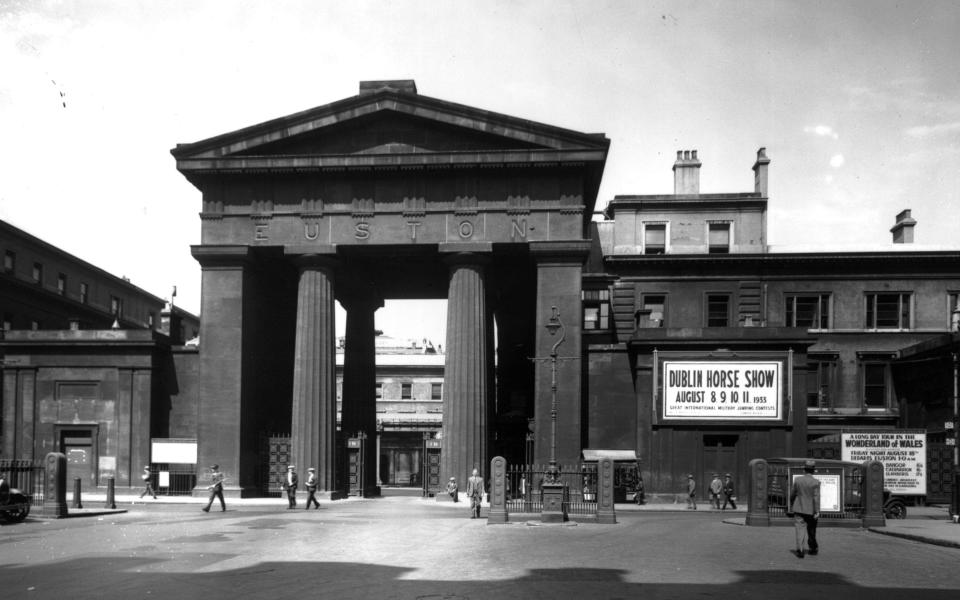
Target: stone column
(559, 281)
(359, 403)
(314, 424)
(224, 384)
(465, 380)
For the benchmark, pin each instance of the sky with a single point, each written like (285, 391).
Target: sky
(857, 103)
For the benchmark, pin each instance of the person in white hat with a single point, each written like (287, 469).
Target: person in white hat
(290, 484)
(312, 488)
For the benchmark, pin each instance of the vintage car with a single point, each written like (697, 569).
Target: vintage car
(14, 504)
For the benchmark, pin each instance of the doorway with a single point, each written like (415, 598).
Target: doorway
(79, 445)
(719, 456)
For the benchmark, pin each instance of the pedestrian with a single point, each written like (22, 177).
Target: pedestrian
(216, 489)
(728, 492)
(691, 492)
(453, 490)
(147, 487)
(716, 488)
(290, 484)
(312, 488)
(805, 505)
(639, 496)
(475, 489)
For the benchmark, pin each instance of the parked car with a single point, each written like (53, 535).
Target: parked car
(14, 504)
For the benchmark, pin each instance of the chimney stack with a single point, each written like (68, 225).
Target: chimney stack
(903, 229)
(686, 173)
(406, 86)
(760, 173)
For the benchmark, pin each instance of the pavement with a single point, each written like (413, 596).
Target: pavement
(926, 524)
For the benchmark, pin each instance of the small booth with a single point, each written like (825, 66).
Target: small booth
(626, 481)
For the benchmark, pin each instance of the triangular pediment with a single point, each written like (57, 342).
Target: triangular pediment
(373, 127)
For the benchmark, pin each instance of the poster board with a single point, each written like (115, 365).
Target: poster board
(746, 390)
(903, 454)
(831, 490)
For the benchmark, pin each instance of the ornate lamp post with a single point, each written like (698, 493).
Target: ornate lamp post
(955, 486)
(553, 325)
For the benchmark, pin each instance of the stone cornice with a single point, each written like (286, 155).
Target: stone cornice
(560, 251)
(217, 256)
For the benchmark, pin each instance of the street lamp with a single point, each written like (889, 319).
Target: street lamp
(554, 324)
(955, 486)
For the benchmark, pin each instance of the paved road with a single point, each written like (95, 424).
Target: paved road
(411, 548)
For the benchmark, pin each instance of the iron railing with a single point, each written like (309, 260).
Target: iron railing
(173, 479)
(851, 491)
(525, 491)
(25, 475)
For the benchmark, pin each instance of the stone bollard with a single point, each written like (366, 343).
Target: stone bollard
(757, 510)
(498, 491)
(55, 485)
(873, 494)
(606, 513)
(77, 502)
(111, 498)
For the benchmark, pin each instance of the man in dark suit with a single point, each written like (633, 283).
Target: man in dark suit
(290, 484)
(805, 505)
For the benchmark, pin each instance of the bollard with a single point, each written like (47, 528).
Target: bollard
(606, 512)
(111, 502)
(757, 509)
(872, 494)
(498, 491)
(77, 503)
(55, 485)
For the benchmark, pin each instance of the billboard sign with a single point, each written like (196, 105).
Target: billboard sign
(722, 390)
(903, 454)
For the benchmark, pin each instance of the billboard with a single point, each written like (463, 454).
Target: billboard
(903, 454)
(722, 390)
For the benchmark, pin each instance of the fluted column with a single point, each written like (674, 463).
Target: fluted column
(314, 426)
(359, 405)
(465, 398)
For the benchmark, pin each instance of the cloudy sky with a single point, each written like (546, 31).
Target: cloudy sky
(858, 104)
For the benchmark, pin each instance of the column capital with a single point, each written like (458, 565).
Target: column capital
(456, 254)
(574, 251)
(221, 256)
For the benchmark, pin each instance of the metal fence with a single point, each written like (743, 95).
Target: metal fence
(851, 491)
(525, 483)
(25, 475)
(173, 479)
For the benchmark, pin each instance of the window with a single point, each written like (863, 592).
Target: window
(875, 386)
(151, 320)
(808, 310)
(596, 309)
(379, 391)
(436, 391)
(116, 306)
(406, 391)
(820, 381)
(37, 272)
(719, 238)
(83, 293)
(655, 238)
(9, 261)
(62, 284)
(718, 310)
(651, 309)
(888, 311)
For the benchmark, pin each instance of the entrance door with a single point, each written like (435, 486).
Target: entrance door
(719, 456)
(79, 444)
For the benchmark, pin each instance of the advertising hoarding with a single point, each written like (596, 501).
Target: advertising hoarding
(722, 390)
(903, 454)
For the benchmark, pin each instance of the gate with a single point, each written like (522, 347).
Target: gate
(355, 464)
(25, 475)
(431, 466)
(275, 455)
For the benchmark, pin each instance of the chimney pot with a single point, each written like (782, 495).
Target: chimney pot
(760, 168)
(686, 173)
(902, 230)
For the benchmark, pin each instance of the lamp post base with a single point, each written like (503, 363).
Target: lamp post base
(554, 503)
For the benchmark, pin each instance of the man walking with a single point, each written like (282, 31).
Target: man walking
(805, 505)
(475, 490)
(728, 492)
(312, 488)
(216, 489)
(147, 487)
(716, 488)
(290, 484)
(691, 492)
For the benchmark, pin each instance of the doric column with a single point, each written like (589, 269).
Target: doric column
(465, 398)
(359, 403)
(314, 426)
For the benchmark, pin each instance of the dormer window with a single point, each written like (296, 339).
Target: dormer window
(655, 238)
(719, 238)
